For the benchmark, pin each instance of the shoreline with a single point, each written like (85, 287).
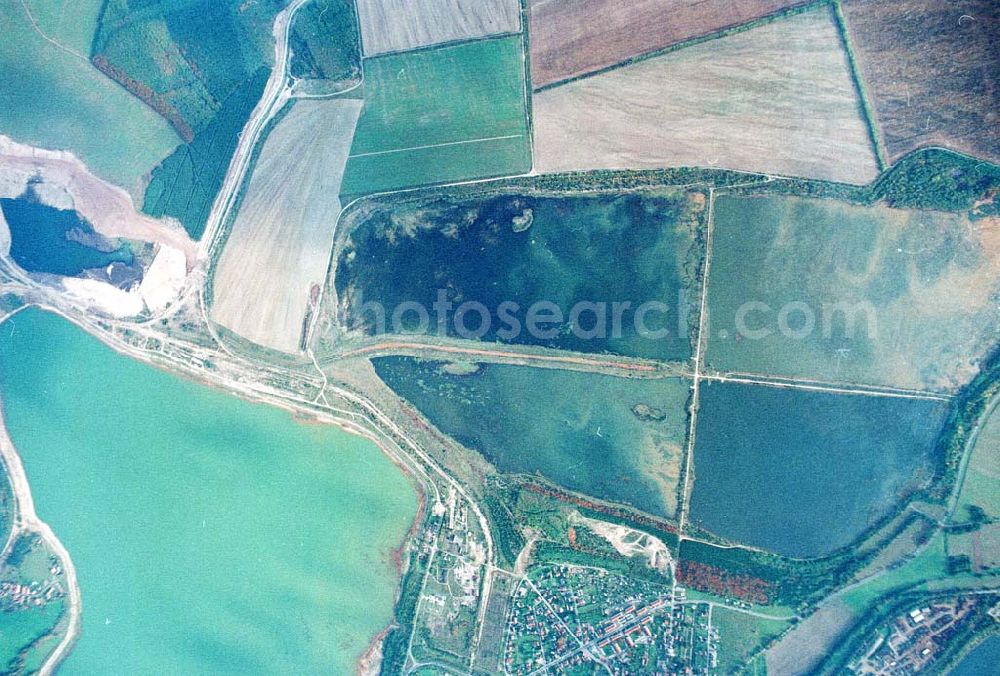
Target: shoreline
(27, 521)
(299, 415)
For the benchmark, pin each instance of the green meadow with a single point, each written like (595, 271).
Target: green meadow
(616, 439)
(324, 41)
(202, 65)
(742, 635)
(980, 487)
(54, 98)
(441, 114)
(209, 534)
(71, 23)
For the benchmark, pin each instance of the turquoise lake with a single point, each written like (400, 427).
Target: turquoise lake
(210, 535)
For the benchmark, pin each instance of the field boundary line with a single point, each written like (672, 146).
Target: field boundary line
(436, 145)
(867, 110)
(529, 113)
(682, 506)
(457, 42)
(832, 389)
(483, 352)
(826, 384)
(45, 36)
(690, 42)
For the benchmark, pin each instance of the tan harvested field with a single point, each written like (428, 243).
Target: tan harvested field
(571, 38)
(932, 70)
(398, 25)
(282, 238)
(775, 99)
(801, 649)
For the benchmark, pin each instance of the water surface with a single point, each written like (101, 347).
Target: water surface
(42, 239)
(803, 473)
(617, 439)
(984, 660)
(210, 535)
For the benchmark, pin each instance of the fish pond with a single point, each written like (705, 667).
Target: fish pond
(616, 439)
(803, 473)
(982, 661)
(210, 535)
(510, 254)
(56, 241)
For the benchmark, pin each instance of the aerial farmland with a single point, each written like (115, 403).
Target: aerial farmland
(522, 337)
(778, 98)
(570, 39)
(279, 247)
(929, 68)
(401, 25)
(442, 114)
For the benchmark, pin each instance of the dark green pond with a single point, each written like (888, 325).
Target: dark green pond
(42, 239)
(804, 473)
(582, 250)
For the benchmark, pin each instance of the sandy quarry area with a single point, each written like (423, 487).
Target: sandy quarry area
(629, 542)
(397, 25)
(775, 99)
(569, 39)
(65, 183)
(282, 238)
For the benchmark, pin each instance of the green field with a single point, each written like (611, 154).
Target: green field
(929, 564)
(441, 114)
(202, 65)
(324, 41)
(186, 183)
(804, 473)
(576, 429)
(184, 58)
(741, 635)
(6, 507)
(916, 286)
(981, 485)
(54, 98)
(71, 23)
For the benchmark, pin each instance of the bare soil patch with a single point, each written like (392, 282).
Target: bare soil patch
(569, 39)
(398, 25)
(931, 70)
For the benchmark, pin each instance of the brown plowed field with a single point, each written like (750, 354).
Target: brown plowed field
(932, 70)
(571, 38)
